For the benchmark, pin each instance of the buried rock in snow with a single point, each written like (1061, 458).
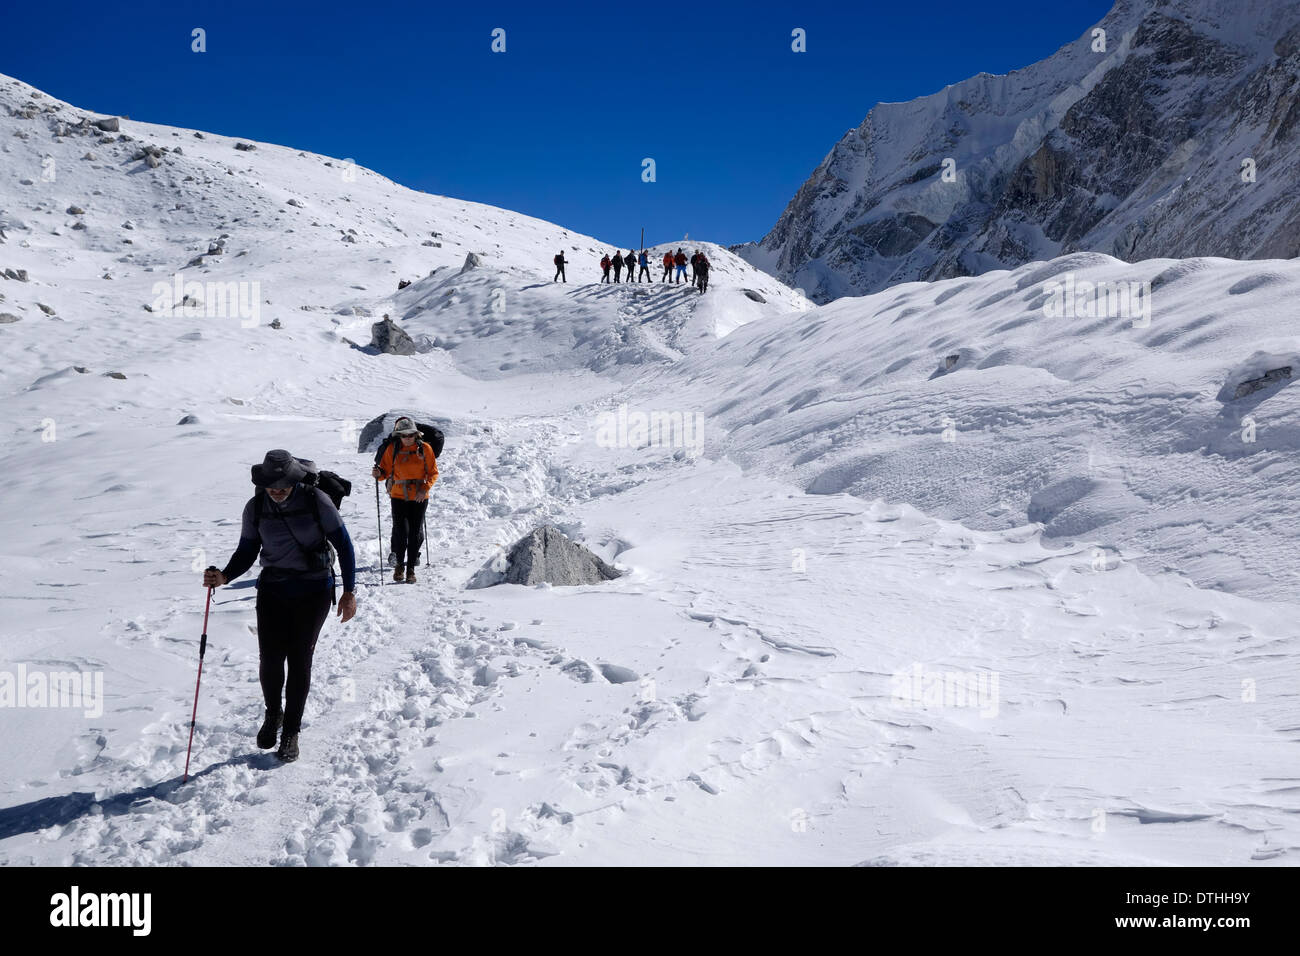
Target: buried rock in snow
(545, 556)
(391, 339)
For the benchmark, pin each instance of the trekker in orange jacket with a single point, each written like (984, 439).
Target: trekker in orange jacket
(410, 469)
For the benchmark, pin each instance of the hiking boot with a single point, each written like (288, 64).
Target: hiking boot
(410, 574)
(397, 574)
(288, 751)
(270, 728)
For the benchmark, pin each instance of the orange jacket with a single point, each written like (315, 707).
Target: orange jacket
(668, 260)
(412, 475)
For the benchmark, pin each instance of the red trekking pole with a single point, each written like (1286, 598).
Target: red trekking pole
(203, 649)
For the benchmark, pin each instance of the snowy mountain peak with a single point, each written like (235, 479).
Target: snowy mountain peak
(1134, 144)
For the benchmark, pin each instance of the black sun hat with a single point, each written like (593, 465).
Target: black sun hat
(278, 469)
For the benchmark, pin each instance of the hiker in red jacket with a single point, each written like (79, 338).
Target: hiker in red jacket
(668, 266)
(680, 261)
(604, 264)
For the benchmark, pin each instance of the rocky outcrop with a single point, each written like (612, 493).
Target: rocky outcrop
(1181, 138)
(545, 556)
(390, 339)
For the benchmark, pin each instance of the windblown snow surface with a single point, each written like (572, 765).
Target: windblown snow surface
(946, 581)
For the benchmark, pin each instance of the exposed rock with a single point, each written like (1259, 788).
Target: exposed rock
(1133, 152)
(402, 284)
(7, 318)
(109, 125)
(390, 339)
(752, 295)
(245, 147)
(189, 420)
(472, 261)
(76, 211)
(114, 375)
(294, 202)
(1264, 381)
(275, 323)
(45, 308)
(546, 556)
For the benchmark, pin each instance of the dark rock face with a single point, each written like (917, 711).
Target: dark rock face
(1135, 151)
(391, 339)
(546, 556)
(1264, 381)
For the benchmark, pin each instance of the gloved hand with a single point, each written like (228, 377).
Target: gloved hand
(376, 473)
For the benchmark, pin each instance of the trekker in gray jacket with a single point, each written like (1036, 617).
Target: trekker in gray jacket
(289, 523)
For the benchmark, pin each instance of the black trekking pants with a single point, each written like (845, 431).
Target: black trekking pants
(645, 271)
(617, 273)
(606, 278)
(408, 530)
(287, 627)
(559, 273)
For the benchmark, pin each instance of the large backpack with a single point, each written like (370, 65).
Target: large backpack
(559, 260)
(336, 488)
(428, 433)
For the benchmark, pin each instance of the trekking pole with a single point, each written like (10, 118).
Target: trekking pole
(203, 649)
(426, 539)
(380, 527)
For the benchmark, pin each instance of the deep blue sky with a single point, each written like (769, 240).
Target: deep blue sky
(558, 125)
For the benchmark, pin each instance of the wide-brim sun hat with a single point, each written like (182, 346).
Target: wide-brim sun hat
(278, 469)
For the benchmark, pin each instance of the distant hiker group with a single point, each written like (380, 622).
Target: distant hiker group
(674, 264)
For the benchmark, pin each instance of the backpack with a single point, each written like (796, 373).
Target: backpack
(605, 263)
(559, 260)
(430, 434)
(336, 488)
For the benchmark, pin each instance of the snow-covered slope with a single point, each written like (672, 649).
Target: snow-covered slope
(1135, 150)
(969, 400)
(758, 687)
